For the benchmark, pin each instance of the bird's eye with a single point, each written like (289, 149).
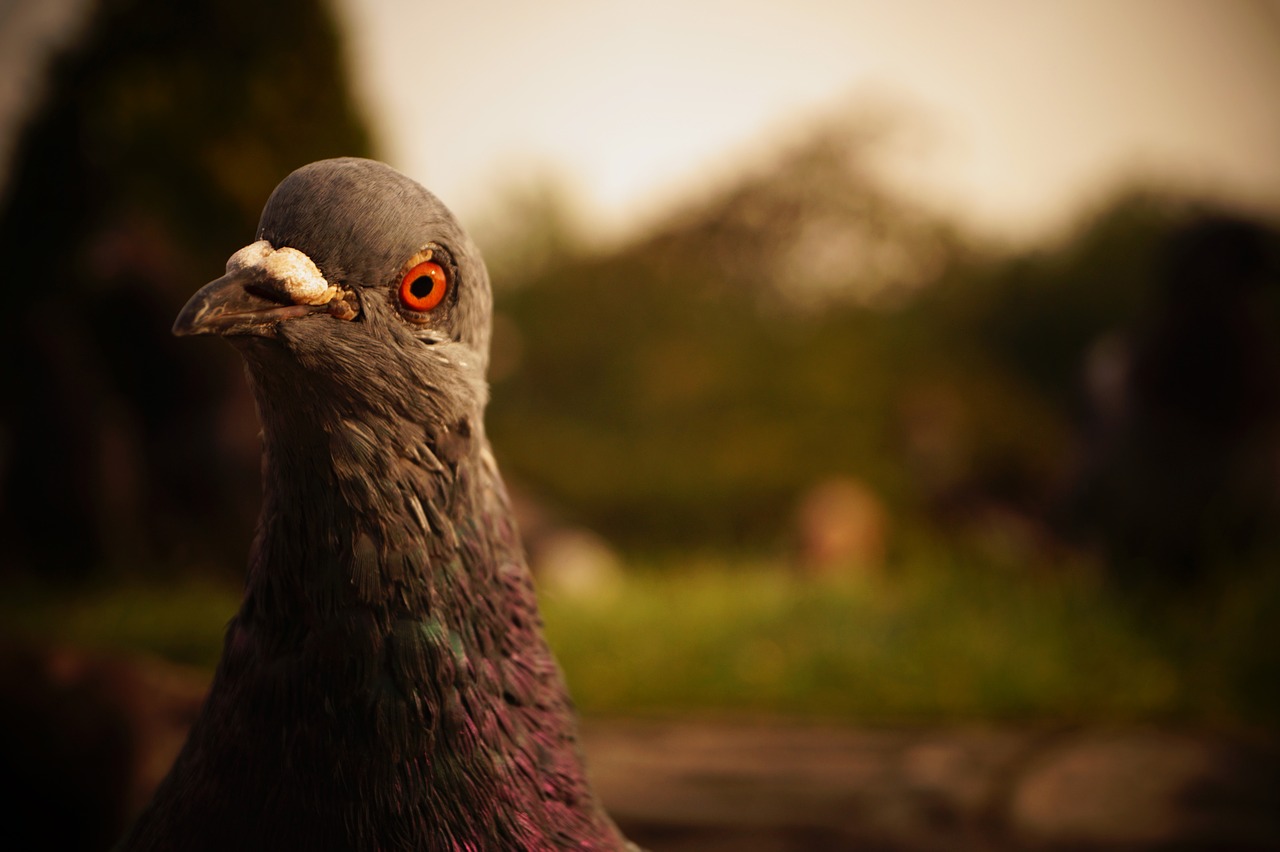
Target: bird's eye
(423, 286)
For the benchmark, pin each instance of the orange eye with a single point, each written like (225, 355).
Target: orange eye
(423, 287)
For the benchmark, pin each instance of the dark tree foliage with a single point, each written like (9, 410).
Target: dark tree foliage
(162, 133)
(1181, 462)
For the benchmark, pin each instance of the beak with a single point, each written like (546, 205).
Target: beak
(240, 303)
(231, 305)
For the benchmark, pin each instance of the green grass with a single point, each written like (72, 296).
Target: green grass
(934, 639)
(751, 638)
(181, 622)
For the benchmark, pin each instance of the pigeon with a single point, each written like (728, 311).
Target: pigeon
(385, 684)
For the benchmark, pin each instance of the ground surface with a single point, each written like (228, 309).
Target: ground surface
(686, 786)
(91, 734)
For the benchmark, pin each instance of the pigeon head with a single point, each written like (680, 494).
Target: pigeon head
(360, 288)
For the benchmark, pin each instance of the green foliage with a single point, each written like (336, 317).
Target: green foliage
(682, 389)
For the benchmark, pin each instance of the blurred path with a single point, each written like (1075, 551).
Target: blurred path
(693, 786)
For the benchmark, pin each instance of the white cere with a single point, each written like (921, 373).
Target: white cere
(251, 255)
(299, 277)
(288, 269)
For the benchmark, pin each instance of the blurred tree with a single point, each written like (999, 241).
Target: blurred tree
(805, 323)
(687, 387)
(163, 131)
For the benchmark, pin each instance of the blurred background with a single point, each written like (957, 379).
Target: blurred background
(891, 394)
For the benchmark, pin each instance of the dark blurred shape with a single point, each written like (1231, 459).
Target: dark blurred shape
(163, 131)
(85, 738)
(1182, 466)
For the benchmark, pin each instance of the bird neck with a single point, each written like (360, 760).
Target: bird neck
(414, 571)
(380, 513)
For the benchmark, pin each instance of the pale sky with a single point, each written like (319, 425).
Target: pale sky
(1030, 110)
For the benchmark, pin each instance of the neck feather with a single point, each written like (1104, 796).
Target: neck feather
(409, 615)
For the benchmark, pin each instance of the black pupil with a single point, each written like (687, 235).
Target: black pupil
(422, 286)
